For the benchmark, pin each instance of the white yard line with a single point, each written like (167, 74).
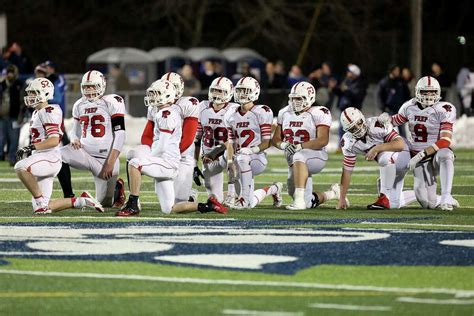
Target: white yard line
(352, 307)
(417, 224)
(164, 218)
(434, 301)
(348, 287)
(259, 313)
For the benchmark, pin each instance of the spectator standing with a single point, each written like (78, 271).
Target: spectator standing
(207, 75)
(466, 91)
(47, 70)
(272, 79)
(351, 91)
(19, 59)
(438, 73)
(192, 86)
(295, 75)
(118, 79)
(12, 110)
(243, 71)
(409, 79)
(392, 93)
(322, 92)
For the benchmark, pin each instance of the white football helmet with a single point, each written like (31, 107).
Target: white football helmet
(93, 85)
(247, 90)
(178, 82)
(38, 91)
(302, 96)
(427, 91)
(353, 122)
(221, 90)
(160, 93)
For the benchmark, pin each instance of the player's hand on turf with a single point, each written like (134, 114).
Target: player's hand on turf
(196, 174)
(292, 149)
(416, 159)
(106, 172)
(24, 152)
(372, 153)
(341, 204)
(76, 144)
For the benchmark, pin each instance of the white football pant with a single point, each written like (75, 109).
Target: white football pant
(81, 160)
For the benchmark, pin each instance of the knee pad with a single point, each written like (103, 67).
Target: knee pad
(243, 160)
(384, 159)
(135, 162)
(299, 157)
(445, 154)
(20, 165)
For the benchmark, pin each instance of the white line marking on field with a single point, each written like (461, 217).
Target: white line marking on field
(348, 307)
(434, 301)
(259, 313)
(124, 218)
(348, 287)
(462, 243)
(418, 224)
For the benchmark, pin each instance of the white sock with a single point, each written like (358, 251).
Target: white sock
(387, 179)
(330, 195)
(299, 196)
(231, 188)
(78, 202)
(446, 175)
(407, 198)
(40, 202)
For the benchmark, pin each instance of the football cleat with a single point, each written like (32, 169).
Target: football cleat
(42, 211)
(448, 205)
(216, 206)
(230, 199)
(296, 206)
(382, 203)
(91, 202)
(277, 199)
(127, 211)
(119, 194)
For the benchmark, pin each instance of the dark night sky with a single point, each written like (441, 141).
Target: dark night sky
(369, 32)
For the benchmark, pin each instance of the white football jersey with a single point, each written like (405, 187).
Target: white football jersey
(187, 107)
(249, 129)
(426, 124)
(302, 127)
(212, 129)
(44, 123)
(167, 120)
(377, 133)
(95, 118)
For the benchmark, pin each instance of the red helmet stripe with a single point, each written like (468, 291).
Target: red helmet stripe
(347, 116)
(243, 78)
(219, 81)
(89, 75)
(429, 80)
(168, 76)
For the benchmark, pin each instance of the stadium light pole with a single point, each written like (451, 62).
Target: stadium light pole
(309, 32)
(416, 36)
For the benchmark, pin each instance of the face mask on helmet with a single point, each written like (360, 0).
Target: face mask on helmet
(297, 103)
(302, 96)
(428, 91)
(358, 130)
(93, 85)
(40, 90)
(160, 94)
(220, 90)
(247, 90)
